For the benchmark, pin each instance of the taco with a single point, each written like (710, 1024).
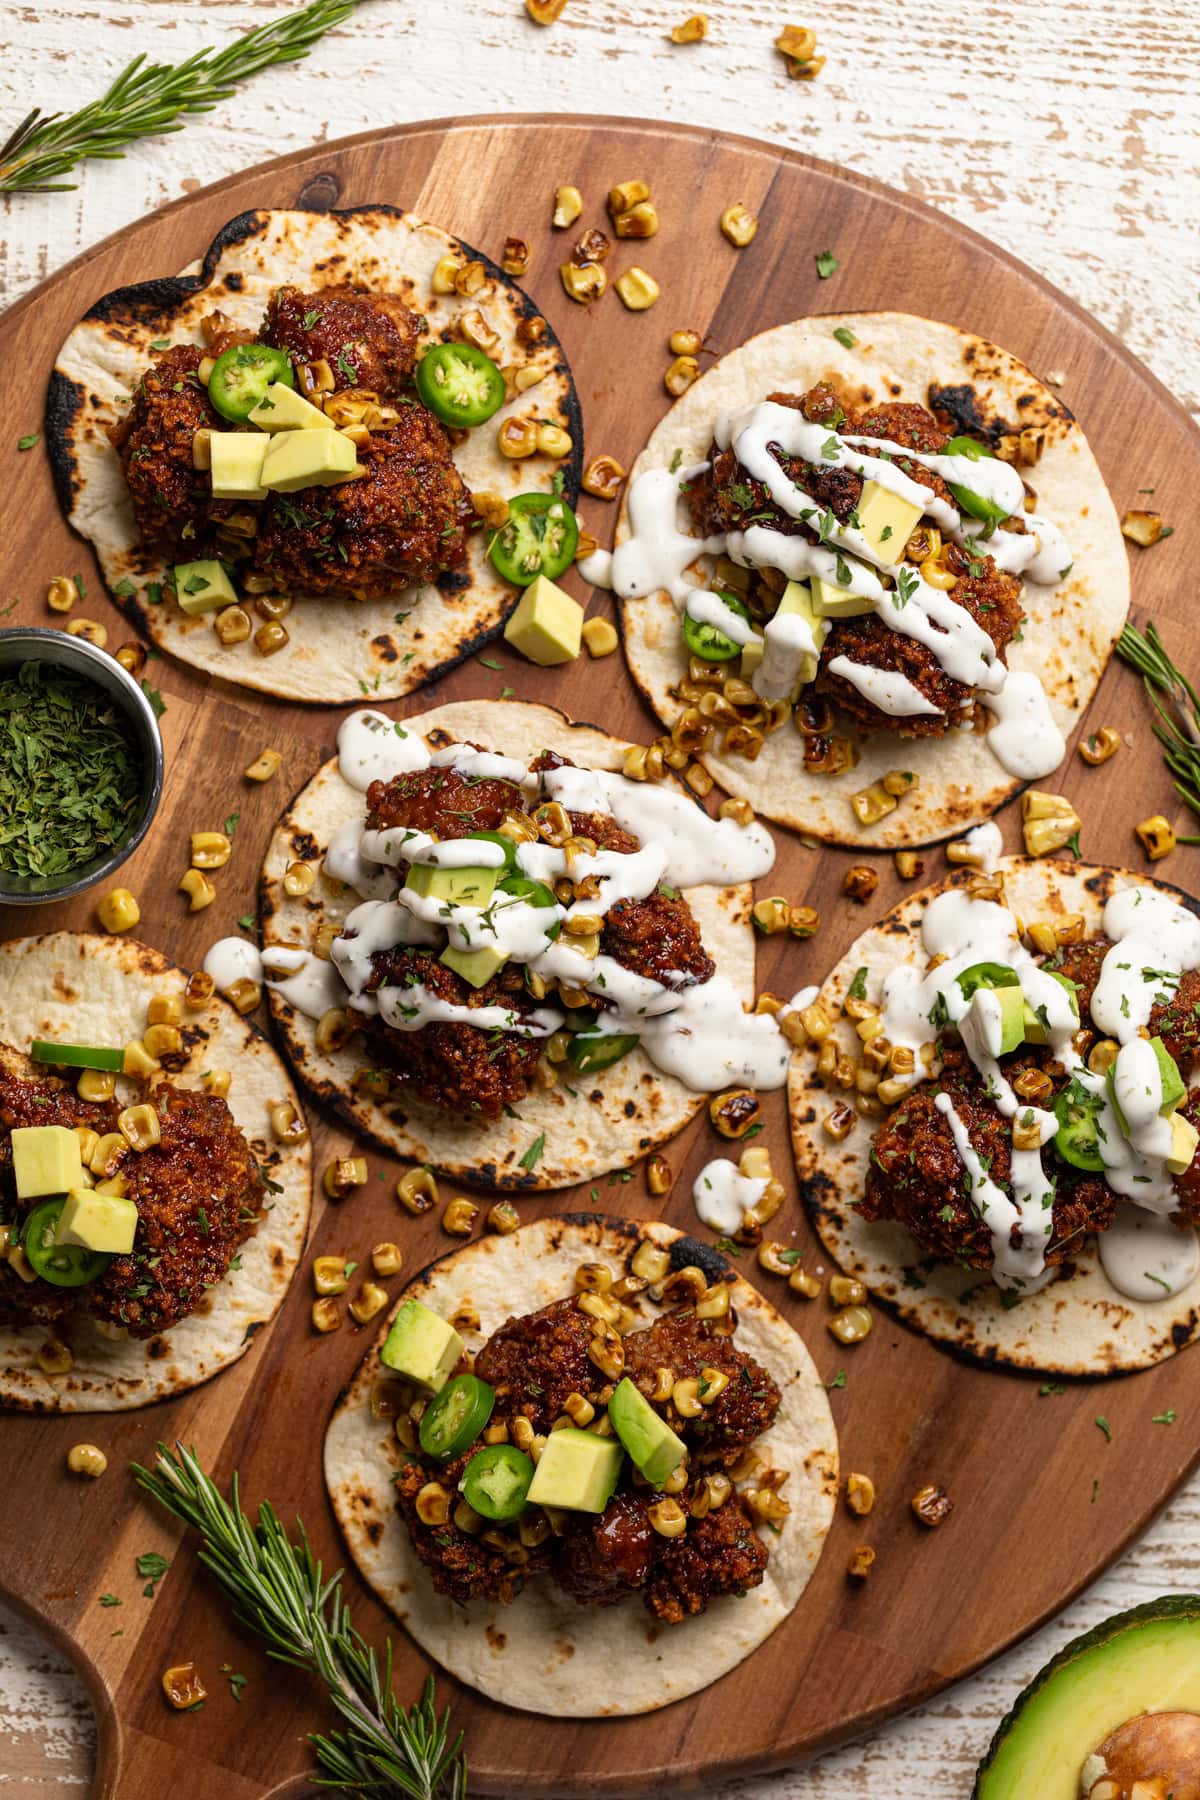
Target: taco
(280, 433)
(151, 1219)
(575, 1589)
(1030, 1191)
(835, 535)
(515, 964)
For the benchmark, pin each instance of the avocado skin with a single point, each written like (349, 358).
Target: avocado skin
(1182, 1607)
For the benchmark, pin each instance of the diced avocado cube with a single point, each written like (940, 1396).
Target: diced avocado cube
(283, 409)
(651, 1443)
(547, 625)
(578, 1471)
(301, 459)
(830, 602)
(1035, 1030)
(421, 1346)
(1184, 1140)
(797, 598)
(46, 1160)
(202, 587)
(999, 1014)
(236, 465)
(96, 1221)
(752, 655)
(475, 966)
(885, 520)
(462, 887)
(1173, 1087)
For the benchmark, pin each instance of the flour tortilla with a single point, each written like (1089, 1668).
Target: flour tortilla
(544, 1653)
(84, 988)
(614, 1116)
(339, 648)
(1070, 629)
(1080, 1324)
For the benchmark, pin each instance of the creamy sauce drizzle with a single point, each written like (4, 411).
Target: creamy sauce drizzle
(887, 689)
(597, 569)
(372, 747)
(723, 1195)
(233, 959)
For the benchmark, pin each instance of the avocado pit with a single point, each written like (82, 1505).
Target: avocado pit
(1154, 1756)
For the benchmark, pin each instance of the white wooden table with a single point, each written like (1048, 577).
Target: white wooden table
(1070, 134)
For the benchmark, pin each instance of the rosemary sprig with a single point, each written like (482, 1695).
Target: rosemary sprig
(280, 1592)
(148, 98)
(1178, 727)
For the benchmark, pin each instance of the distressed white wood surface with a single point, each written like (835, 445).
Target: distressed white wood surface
(1068, 134)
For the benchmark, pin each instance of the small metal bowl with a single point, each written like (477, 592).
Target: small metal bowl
(36, 644)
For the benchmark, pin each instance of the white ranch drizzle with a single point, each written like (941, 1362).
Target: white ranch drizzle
(1153, 941)
(701, 851)
(723, 1195)
(410, 1008)
(789, 642)
(307, 983)
(887, 689)
(984, 845)
(483, 765)
(1146, 1257)
(345, 861)
(597, 568)
(1025, 739)
(372, 747)
(707, 608)
(233, 959)
(658, 552)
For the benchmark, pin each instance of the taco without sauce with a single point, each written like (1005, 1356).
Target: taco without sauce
(597, 1621)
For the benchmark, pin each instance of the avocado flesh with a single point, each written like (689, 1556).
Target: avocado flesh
(577, 1470)
(1035, 1031)
(46, 1159)
(1147, 1659)
(652, 1445)
(1173, 1089)
(421, 1346)
(475, 966)
(1011, 1004)
(1184, 1142)
(96, 1221)
(462, 887)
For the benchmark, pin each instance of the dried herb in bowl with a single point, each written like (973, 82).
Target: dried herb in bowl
(70, 772)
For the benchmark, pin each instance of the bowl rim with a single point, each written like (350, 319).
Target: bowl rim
(47, 644)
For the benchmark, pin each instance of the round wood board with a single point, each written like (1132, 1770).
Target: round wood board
(1043, 1501)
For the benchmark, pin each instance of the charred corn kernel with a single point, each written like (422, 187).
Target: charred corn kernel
(735, 1111)
(801, 1282)
(592, 246)
(638, 289)
(86, 1459)
(803, 921)
(110, 1151)
(845, 1291)
(544, 12)
(816, 1022)
(1048, 822)
(667, 1518)
(771, 915)
(232, 625)
(909, 866)
(861, 1562)
(139, 1062)
(932, 1505)
(118, 910)
(625, 196)
(860, 1494)
(595, 1278)
(270, 638)
(517, 438)
(91, 629)
(713, 1383)
(132, 658)
(62, 594)
(552, 440)
(568, 204)
(515, 258)
(140, 1127)
(935, 574)
(273, 606)
(183, 1684)
(797, 42)
(1043, 937)
(470, 279)
(323, 940)
(343, 1175)
(579, 1410)
(299, 879)
(1098, 746)
(334, 1030)
(244, 995)
(838, 1123)
(584, 282)
(1144, 528)
(1102, 1056)
(492, 509)
(607, 1352)
(964, 853)
(503, 1218)
(698, 779)
(164, 1009)
(96, 1084)
(658, 1175)
(1157, 835)
(892, 1089)
(860, 882)
(326, 1314)
(55, 1358)
(692, 31)
(767, 1505)
(199, 890)
(640, 221)
(88, 1139)
(1026, 1130)
(756, 1163)
(650, 1262)
(872, 803)
(603, 477)
(369, 1300)
(643, 763)
(266, 764)
(686, 342)
(287, 1122)
(851, 1325)
(433, 1504)
(738, 224)
(600, 637)
(387, 1259)
(1035, 1084)
(331, 1274)
(216, 1081)
(459, 1218)
(775, 1258)
(595, 1301)
(680, 375)
(714, 1303)
(442, 279)
(210, 849)
(1071, 930)
(162, 1040)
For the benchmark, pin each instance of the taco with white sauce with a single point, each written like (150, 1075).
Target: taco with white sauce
(514, 963)
(151, 1213)
(554, 1521)
(874, 559)
(1031, 1192)
(276, 454)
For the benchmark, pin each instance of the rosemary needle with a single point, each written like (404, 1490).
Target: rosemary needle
(281, 1592)
(1175, 701)
(148, 98)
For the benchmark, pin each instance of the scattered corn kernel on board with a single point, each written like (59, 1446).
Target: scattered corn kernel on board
(1044, 1499)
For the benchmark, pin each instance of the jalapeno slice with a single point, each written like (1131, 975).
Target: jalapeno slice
(78, 1056)
(976, 504)
(496, 1481)
(539, 538)
(987, 975)
(63, 1265)
(590, 1051)
(524, 887)
(705, 641)
(459, 384)
(1080, 1132)
(455, 1417)
(241, 376)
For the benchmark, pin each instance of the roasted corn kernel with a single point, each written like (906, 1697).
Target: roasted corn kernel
(132, 657)
(680, 375)
(503, 1218)
(270, 638)
(326, 1314)
(568, 204)
(1144, 528)
(55, 1358)
(932, 1505)
(459, 1218)
(1048, 822)
(872, 803)
(860, 1494)
(96, 1084)
(735, 1111)
(91, 630)
(600, 637)
(417, 1190)
(244, 995)
(860, 882)
(299, 879)
(210, 849)
(62, 594)
(138, 1061)
(1157, 835)
(603, 477)
(1098, 746)
(738, 224)
(584, 282)
(343, 1175)
(517, 438)
(516, 257)
(118, 910)
(369, 1300)
(658, 1175)
(199, 890)
(844, 1290)
(182, 1684)
(331, 1274)
(851, 1325)
(442, 279)
(637, 289)
(288, 1123)
(553, 441)
(692, 31)
(139, 1126)
(861, 1562)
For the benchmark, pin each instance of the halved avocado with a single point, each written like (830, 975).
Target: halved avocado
(1146, 1660)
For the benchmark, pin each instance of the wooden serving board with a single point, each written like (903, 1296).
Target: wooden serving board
(1043, 1501)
